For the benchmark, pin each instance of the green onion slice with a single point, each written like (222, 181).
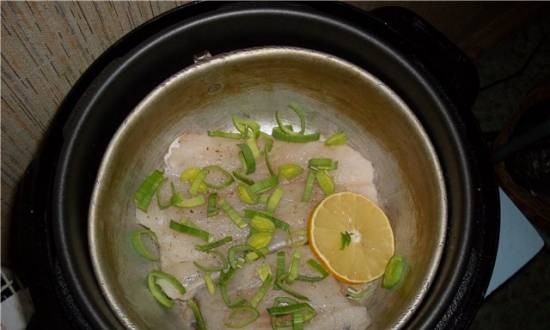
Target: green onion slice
(274, 199)
(298, 321)
(280, 268)
(280, 322)
(164, 205)
(245, 125)
(232, 214)
(345, 239)
(297, 237)
(287, 309)
(212, 208)
(308, 190)
(279, 224)
(240, 317)
(138, 244)
(294, 267)
(196, 183)
(282, 286)
(247, 158)
(209, 282)
(225, 277)
(264, 185)
(220, 265)
(301, 115)
(318, 164)
(251, 142)
(190, 230)
(313, 264)
(268, 141)
(268, 163)
(279, 134)
(243, 178)
(246, 196)
(157, 291)
(395, 272)
(325, 182)
(224, 182)
(238, 251)
(262, 291)
(290, 171)
(178, 201)
(260, 240)
(199, 319)
(262, 224)
(227, 135)
(147, 189)
(360, 295)
(337, 139)
(263, 271)
(213, 245)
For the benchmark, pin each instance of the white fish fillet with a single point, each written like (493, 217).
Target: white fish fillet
(354, 173)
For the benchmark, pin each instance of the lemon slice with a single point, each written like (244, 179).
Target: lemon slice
(352, 237)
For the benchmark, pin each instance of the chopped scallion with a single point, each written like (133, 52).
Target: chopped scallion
(189, 174)
(138, 244)
(337, 139)
(157, 292)
(325, 182)
(278, 134)
(178, 201)
(308, 190)
(262, 291)
(243, 178)
(274, 199)
(190, 230)
(290, 171)
(318, 164)
(262, 224)
(237, 251)
(210, 286)
(345, 239)
(246, 195)
(212, 208)
(264, 185)
(164, 205)
(196, 183)
(298, 321)
(227, 135)
(294, 267)
(213, 245)
(240, 317)
(147, 189)
(395, 272)
(199, 319)
(297, 237)
(260, 239)
(264, 271)
(251, 142)
(313, 264)
(279, 224)
(247, 157)
(224, 182)
(280, 269)
(221, 263)
(232, 214)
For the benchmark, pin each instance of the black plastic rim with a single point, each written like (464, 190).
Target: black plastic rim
(126, 72)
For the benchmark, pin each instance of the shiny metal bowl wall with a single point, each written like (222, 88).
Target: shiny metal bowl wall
(256, 82)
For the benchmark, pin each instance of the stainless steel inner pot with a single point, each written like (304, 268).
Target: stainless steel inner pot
(255, 83)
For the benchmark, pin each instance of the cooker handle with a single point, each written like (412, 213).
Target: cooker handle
(430, 49)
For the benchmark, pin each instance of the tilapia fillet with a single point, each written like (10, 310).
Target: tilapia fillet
(354, 173)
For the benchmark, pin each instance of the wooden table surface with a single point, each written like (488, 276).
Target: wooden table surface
(46, 46)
